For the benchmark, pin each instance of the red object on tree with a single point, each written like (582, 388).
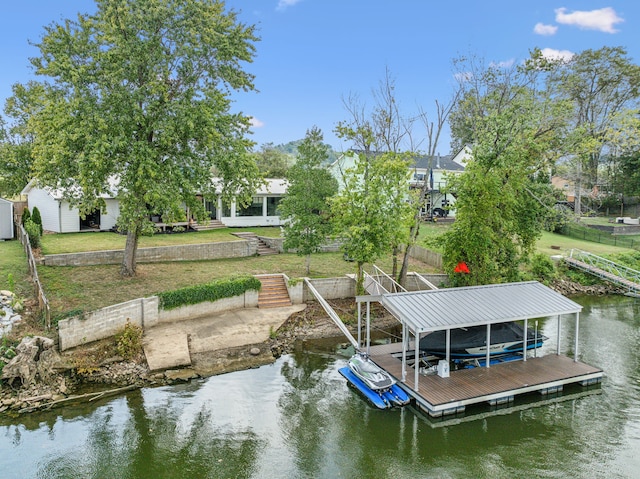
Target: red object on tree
(461, 267)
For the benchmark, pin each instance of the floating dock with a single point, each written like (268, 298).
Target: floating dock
(394, 396)
(498, 384)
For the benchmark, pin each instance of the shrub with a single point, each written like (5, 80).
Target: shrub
(542, 267)
(129, 341)
(33, 230)
(213, 291)
(26, 216)
(37, 219)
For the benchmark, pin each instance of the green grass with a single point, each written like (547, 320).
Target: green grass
(100, 241)
(91, 287)
(13, 261)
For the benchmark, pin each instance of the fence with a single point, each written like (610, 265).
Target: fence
(43, 303)
(598, 236)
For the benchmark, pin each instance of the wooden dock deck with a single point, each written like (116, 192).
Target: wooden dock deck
(495, 385)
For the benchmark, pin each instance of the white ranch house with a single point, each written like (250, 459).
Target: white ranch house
(59, 216)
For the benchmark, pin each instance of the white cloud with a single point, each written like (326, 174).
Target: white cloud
(283, 4)
(542, 29)
(552, 54)
(255, 122)
(603, 19)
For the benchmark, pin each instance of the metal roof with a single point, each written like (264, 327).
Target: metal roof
(449, 308)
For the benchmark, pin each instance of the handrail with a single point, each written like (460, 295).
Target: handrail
(606, 265)
(332, 314)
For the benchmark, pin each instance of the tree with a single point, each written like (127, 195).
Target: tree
(513, 129)
(371, 213)
(601, 85)
(16, 141)
(305, 208)
(272, 162)
(139, 92)
(37, 218)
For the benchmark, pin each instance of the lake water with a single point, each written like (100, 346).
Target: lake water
(298, 419)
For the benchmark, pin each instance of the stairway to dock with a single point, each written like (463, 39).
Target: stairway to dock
(605, 269)
(274, 292)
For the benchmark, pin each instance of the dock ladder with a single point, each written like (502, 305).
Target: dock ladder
(606, 269)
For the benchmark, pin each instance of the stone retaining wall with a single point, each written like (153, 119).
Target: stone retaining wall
(189, 252)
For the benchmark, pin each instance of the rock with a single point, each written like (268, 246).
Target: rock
(180, 374)
(254, 351)
(35, 356)
(6, 293)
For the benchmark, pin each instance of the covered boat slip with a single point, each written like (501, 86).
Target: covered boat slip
(422, 312)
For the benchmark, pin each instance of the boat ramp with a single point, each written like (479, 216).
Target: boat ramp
(446, 391)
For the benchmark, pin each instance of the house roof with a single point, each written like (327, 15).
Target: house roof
(6, 201)
(470, 306)
(58, 193)
(438, 162)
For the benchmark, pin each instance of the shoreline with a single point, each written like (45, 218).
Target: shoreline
(67, 383)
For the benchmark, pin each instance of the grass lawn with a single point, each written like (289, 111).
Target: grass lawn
(91, 287)
(103, 240)
(14, 272)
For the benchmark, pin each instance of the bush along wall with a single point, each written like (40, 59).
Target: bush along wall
(226, 288)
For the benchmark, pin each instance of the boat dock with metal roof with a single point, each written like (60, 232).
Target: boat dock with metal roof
(449, 392)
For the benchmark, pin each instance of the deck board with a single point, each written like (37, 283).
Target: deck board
(468, 386)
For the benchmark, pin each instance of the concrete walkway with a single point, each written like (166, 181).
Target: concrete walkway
(170, 345)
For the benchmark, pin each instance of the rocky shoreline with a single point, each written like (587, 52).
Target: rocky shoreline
(42, 378)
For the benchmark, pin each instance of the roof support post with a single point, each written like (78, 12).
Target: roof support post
(575, 356)
(488, 345)
(359, 324)
(525, 340)
(448, 345)
(404, 352)
(368, 326)
(416, 364)
(558, 337)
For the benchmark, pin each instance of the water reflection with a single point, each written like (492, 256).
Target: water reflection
(298, 419)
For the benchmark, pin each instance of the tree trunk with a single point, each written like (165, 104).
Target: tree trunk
(360, 279)
(308, 264)
(413, 235)
(128, 267)
(394, 267)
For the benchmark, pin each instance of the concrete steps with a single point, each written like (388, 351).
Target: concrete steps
(274, 293)
(263, 248)
(210, 225)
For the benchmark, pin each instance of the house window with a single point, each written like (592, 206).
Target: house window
(226, 210)
(272, 205)
(253, 209)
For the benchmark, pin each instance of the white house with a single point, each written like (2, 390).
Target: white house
(59, 217)
(424, 169)
(261, 212)
(6, 219)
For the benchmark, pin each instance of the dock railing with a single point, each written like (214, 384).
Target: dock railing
(332, 314)
(605, 269)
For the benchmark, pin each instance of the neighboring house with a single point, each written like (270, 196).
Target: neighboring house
(566, 186)
(6, 219)
(434, 172)
(59, 217)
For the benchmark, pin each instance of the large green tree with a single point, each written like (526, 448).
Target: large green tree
(305, 207)
(16, 140)
(601, 85)
(515, 131)
(273, 162)
(139, 92)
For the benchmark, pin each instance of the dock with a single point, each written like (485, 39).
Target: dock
(496, 385)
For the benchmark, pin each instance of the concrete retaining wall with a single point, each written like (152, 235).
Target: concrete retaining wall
(191, 252)
(247, 300)
(106, 322)
(143, 312)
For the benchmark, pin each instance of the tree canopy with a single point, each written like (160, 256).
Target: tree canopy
(305, 207)
(514, 131)
(139, 92)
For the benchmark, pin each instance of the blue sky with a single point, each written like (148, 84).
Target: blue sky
(315, 53)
